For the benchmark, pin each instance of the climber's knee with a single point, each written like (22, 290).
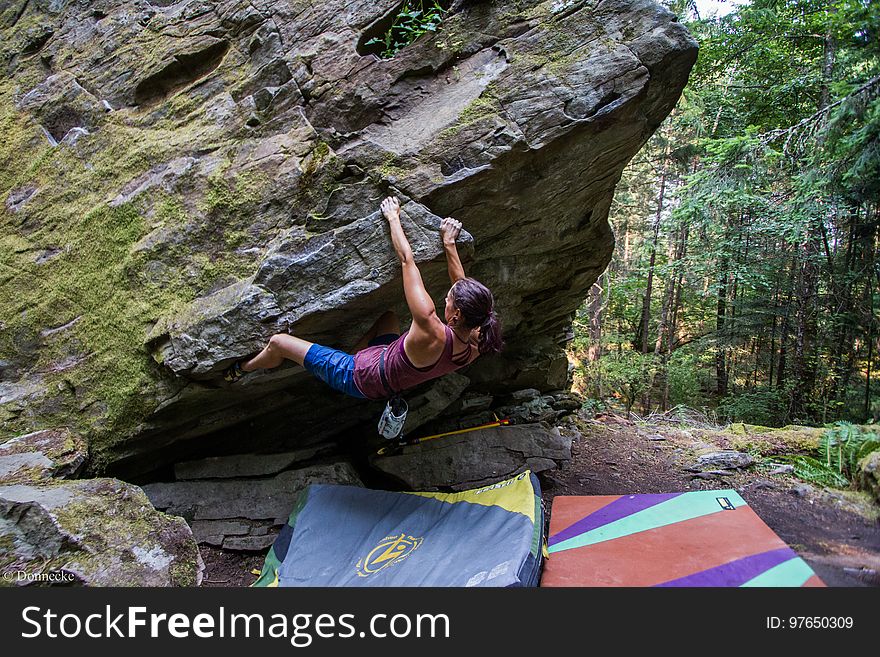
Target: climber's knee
(276, 342)
(283, 345)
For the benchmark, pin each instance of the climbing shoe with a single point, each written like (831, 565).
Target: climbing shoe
(233, 373)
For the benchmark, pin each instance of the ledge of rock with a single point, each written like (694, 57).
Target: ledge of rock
(246, 465)
(477, 458)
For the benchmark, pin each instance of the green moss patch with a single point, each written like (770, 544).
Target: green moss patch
(77, 300)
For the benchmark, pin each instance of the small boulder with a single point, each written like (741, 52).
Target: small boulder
(721, 460)
(94, 532)
(45, 454)
(477, 458)
(869, 474)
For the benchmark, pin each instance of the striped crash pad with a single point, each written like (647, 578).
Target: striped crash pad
(350, 536)
(698, 538)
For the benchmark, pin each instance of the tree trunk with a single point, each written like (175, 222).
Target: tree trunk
(669, 312)
(842, 293)
(721, 311)
(805, 327)
(786, 327)
(595, 309)
(773, 331)
(644, 320)
(646, 300)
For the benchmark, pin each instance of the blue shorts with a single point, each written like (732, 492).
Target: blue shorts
(336, 368)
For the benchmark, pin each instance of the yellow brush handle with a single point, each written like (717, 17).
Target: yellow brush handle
(496, 423)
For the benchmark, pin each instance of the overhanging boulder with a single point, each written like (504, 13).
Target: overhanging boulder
(224, 181)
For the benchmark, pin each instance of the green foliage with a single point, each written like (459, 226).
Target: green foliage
(834, 462)
(625, 376)
(811, 469)
(844, 445)
(686, 379)
(416, 17)
(762, 407)
(590, 407)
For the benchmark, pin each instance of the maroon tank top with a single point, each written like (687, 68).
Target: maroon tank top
(399, 371)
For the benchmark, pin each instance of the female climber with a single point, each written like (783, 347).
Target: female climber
(386, 362)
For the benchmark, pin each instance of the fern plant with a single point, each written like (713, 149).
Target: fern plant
(844, 445)
(810, 469)
(841, 447)
(414, 20)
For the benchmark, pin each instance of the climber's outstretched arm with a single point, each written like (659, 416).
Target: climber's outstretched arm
(421, 306)
(449, 231)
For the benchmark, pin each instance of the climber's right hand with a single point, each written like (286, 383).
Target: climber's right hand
(450, 229)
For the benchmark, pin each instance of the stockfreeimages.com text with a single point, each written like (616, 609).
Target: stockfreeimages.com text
(299, 629)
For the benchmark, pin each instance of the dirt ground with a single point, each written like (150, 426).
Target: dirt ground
(836, 532)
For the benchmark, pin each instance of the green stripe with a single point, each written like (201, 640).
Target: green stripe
(793, 572)
(272, 563)
(684, 507)
(270, 567)
(538, 532)
(298, 507)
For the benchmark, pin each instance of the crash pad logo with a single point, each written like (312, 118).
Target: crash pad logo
(389, 551)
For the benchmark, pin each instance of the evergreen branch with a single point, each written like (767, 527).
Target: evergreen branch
(814, 119)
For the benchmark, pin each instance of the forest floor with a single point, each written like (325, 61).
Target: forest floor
(837, 532)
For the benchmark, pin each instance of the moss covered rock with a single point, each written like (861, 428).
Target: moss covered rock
(96, 532)
(179, 181)
(869, 474)
(768, 441)
(43, 454)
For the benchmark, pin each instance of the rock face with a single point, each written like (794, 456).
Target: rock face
(97, 532)
(181, 180)
(477, 458)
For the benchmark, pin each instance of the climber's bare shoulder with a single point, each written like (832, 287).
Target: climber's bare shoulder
(425, 341)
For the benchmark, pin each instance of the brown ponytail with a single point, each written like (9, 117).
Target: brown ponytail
(477, 306)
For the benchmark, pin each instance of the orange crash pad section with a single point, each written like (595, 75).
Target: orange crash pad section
(697, 538)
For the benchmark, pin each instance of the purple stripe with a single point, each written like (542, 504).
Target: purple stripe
(736, 572)
(619, 508)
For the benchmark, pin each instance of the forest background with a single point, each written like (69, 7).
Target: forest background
(745, 282)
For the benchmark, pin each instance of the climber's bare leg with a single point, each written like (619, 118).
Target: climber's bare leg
(281, 347)
(388, 322)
